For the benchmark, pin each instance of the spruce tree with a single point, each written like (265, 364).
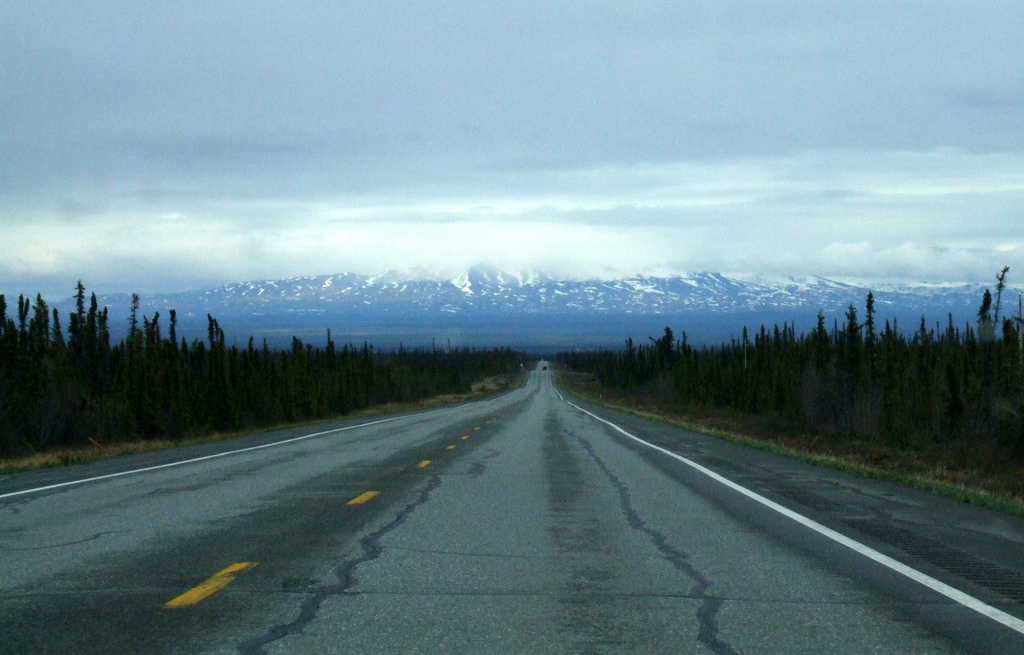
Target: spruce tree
(986, 331)
(986, 306)
(23, 306)
(173, 330)
(133, 318)
(40, 324)
(80, 302)
(58, 336)
(871, 336)
(851, 335)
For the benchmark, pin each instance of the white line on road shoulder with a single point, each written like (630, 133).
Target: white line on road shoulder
(224, 454)
(952, 593)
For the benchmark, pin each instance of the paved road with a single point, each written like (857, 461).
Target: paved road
(521, 524)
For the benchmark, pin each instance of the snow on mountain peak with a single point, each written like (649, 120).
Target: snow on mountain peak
(488, 290)
(464, 284)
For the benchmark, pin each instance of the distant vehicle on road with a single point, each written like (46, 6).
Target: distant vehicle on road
(544, 368)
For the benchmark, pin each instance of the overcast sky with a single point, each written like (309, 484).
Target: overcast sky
(168, 146)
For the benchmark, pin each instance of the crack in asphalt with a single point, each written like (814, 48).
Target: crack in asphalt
(467, 554)
(345, 574)
(94, 537)
(708, 610)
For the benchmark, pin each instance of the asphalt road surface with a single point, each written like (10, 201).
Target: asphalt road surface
(519, 524)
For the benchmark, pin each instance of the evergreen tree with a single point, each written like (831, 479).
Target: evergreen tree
(58, 336)
(133, 317)
(871, 336)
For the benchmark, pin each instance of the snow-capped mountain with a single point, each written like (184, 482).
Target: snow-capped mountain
(487, 290)
(526, 305)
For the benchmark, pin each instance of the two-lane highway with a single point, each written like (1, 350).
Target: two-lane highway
(527, 523)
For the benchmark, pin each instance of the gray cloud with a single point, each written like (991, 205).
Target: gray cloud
(327, 136)
(1005, 103)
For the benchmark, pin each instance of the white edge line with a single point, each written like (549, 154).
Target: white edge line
(108, 476)
(952, 593)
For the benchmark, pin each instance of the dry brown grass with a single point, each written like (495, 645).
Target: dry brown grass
(67, 456)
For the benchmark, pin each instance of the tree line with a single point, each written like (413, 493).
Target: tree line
(939, 385)
(61, 387)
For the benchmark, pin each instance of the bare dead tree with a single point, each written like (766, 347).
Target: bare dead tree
(1001, 284)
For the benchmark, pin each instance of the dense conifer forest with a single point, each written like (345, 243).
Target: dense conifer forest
(62, 386)
(959, 388)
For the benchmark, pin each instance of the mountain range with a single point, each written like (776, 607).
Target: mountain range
(535, 310)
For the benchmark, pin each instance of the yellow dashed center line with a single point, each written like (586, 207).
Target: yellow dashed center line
(477, 427)
(451, 447)
(217, 582)
(465, 436)
(423, 464)
(363, 497)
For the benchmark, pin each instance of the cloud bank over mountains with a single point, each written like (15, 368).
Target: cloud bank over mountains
(168, 148)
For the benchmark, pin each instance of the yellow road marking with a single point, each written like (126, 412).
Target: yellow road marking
(423, 464)
(477, 427)
(217, 582)
(363, 497)
(451, 447)
(465, 436)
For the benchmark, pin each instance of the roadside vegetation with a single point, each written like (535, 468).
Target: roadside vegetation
(942, 404)
(64, 391)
